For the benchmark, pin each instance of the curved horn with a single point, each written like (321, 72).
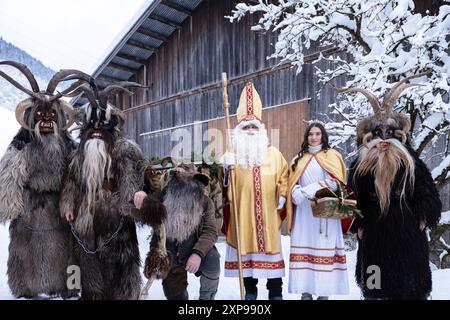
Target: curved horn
(110, 90)
(366, 138)
(83, 89)
(119, 87)
(67, 91)
(128, 84)
(19, 86)
(71, 112)
(27, 73)
(396, 91)
(20, 111)
(120, 115)
(67, 74)
(113, 89)
(369, 95)
(401, 134)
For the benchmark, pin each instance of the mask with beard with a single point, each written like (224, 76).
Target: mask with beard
(383, 160)
(184, 197)
(250, 146)
(383, 138)
(95, 169)
(47, 154)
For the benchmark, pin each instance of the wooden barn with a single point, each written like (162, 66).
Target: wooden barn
(178, 49)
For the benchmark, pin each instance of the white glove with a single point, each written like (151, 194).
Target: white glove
(297, 195)
(311, 189)
(229, 159)
(281, 202)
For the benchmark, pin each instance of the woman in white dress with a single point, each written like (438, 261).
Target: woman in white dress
(317, 261)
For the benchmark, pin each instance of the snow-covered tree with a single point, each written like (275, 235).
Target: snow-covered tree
(385, 42)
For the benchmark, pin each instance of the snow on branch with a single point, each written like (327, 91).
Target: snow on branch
(384, 42)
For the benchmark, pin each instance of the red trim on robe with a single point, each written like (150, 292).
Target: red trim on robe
(259, 218)
(251, 264)
(319, 260)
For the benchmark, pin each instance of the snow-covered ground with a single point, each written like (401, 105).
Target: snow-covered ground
(228, 287)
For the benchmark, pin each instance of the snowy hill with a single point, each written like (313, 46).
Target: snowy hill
(9, 95)
(9, 127)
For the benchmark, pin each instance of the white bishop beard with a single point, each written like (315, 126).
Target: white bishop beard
(250, 148)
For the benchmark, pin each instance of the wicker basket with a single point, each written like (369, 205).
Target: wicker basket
(333, 208)
(334, 205)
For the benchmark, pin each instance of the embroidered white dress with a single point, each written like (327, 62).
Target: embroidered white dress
(317, 261)
(256, 265)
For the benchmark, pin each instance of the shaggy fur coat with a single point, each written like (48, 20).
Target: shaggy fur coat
(39, 251)
(393, 241)
(112, 272)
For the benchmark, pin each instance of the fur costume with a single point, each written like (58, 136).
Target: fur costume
(30, 173)
(100, 181)
(396, 193)
(190, 228)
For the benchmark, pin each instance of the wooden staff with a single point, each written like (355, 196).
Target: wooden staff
(226, 106)
(144, 292)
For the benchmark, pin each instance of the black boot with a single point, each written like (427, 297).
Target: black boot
(275, 288)
(251, 290)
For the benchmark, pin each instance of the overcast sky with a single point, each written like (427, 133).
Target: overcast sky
(67, 33)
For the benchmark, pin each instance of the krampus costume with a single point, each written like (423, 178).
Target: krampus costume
(396, 194)
(190, 228)
(101, 179)
(30, 175)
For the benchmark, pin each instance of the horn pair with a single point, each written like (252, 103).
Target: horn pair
(390, 98)
(36, 94)
(99, 98)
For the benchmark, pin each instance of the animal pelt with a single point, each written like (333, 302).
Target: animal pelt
(39, 251)
(182, 200)
(153, 211)
(158, 262)
(113, 271)
(392, 239)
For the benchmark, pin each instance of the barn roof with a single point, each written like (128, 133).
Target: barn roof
(148, 33)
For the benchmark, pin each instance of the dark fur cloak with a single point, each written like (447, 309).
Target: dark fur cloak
(394, 242)
(113, 271)
(39, 249)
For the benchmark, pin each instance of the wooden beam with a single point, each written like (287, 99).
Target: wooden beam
(131, 58)
(121, 68)
(151, 34)
(176, 7)
(165, 21)
(140, 45)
